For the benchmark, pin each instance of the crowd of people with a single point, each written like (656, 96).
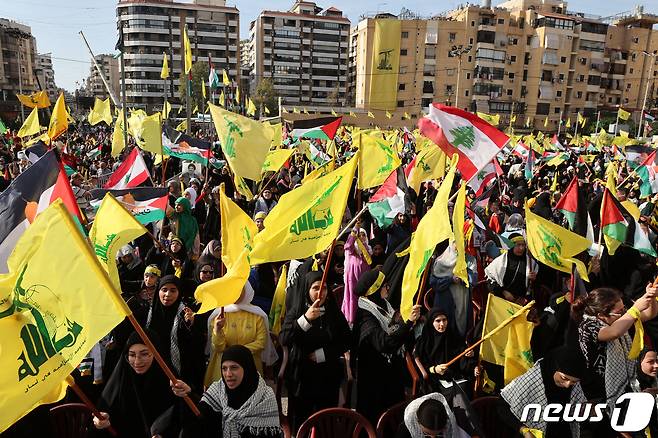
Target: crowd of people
(346, 321)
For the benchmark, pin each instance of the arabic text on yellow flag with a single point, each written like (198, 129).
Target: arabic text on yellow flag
(118, 142)
(430, 164)
(307, 219)
(59, 120)
(323, 170)
(275, 159)
(30, 125)
(182, 126)
(507, 336)
(433, 228)
(458, 212)
(226, 290)
(553, 245)
(245, 142)
(623, 114)
(378, 160)
(385, 64)
(147, 132)
(113, 228)
(101, 112)
(50, 316)
(278, 309)
(491, 119)
(238, 230)
(36, 100)
(164, 74)
(187, 48)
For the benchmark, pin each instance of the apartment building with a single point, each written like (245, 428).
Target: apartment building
(46, 75)
(304, 51)
(531, 58)
(153, 27)
(17, 65)
(94, 86)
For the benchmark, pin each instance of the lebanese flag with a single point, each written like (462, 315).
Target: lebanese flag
(131, 173)
(521, 150)
(484, 177)
(390, 199)
(147, 204)
(28, 195)
(619, 226)
(459, 132)
(323, 128)
(572, 204)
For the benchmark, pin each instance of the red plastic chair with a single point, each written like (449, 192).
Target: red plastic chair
(413, 373)
(389, 422)
(71, 420)
(336, 422)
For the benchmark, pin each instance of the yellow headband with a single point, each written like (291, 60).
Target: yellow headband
(377, 284)
(518, 239)
(152, 270)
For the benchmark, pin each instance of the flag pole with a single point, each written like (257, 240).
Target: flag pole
(617, 121)
(598, 117)
(98, 69)
(327, 264)
(83, 397)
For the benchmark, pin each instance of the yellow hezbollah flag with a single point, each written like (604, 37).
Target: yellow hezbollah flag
(623, 114)
(221, 99)
(458, 212)
(568, 125)
(225, 79)
(147, 133)
(430, 163)
(275, 159)
(378, 160)
(117, 135)
(166, 109)
(278, 309)
(251, 108)
(582, 120)
(164, 74)
(385, 65)
(433, 228)
(238, 230)
(30, 125)
(553, 245)
(323, 170)
(371, 115)
(187, 48)
(242, 187)
(113, 228)
(267, 110)
(101, 112)
(226, 290)
(307, 219)
(36, 100)
(245, 142)
(50, 317)
(506, 333)
(492, 120)
(182, 126)
(546, 122)
(277, 134)
(59, 121)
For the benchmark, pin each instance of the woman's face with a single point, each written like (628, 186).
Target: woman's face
(267, 194)
(363, 236)
(175, 246)
(168, 294)
(150, 280)
(140, 358)
(217, 251)
(179, 207)
(314, 292)
(188, 195)
(339, 250)
(440, 323)
(206, 273)
(233, 374)
(650, 364)
(617, 311)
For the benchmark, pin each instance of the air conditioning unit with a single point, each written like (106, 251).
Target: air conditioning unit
(509, 61)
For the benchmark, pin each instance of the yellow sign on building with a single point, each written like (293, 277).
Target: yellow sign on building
(385, 65)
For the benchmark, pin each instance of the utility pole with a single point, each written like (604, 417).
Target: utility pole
(457, 52)
(640, 126)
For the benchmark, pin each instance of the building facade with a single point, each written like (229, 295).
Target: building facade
(534, 59)
(153, 27)
(304, 52)
(46, 75)
(94, 86)
(17, 66)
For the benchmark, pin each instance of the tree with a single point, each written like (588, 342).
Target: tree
(265, 96)
(199, 74)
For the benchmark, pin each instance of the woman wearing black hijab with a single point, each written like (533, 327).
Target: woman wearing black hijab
(317, 334)
(137, 392)
(379, 335)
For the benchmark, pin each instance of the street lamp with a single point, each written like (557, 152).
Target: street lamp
(457, 52)
(646, 93)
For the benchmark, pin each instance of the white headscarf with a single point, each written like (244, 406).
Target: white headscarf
(192, 193)
(269, 355)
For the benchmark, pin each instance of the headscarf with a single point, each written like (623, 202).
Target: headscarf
(134, 400)
(370, 300)
(269, 354)
(251, 407)
(193, 195)
(164, 321)
(187, 227)
(433, 347)
(411, 417)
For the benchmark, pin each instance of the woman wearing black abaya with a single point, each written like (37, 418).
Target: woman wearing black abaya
(317, 334)
(379, 335)
(137, 393)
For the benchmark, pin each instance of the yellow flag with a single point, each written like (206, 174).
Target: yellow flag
(492, 120)
(323, 170)
(36, 100)
(101, 112)
(378, 160)
(117, 135)
(242, 188)
(59, 122)
(50, 314)
(275, 159)
(267, 110)
(385, 64)
(31, 124)
(221, 99)
(295, 110)
(251, 108)
(195, 109)
(333, 113)
(527, 122)
(238, 230)
(237, 94)
(278, 309)
(113, 228)
(406, 116)
(568, 125)
(147, 133)
(389, 115)
(546, 122)
(182, 126)
(433, 228)
(623, 114)
(226, 290)
(166, 110)
(371, 115)
(307, 219)
(352, 114)
(555, 246)
(284, 110)
(305, 111)
(225, 79)
(277, 135)
(430, 163)
(458, 212)
(203, 89)
(188, 51)
(164, 74)
(245, 142)
(507, 337)
(582, 120)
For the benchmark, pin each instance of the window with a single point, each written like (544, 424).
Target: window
(452, 36)
(558, 93)
(449, 89)
(579, 94)
(470, 58)
(547, 75)
(543, 109)
(490, 54)
(630, 70)
(556, 110)
(515, 41)
(472, 23)
(500, 107)
(430, 52)
(609, 99)
(501, 21)
(466, 93)
(402, 87)
(636, 40)
(403, 52)
(400, 103)
(525, 75)
(512, 58)
(428, 87)
(486, 36)
(509, 92)
(450, 71)
(425, 102)
(510, 75)
(405, 34)
(563, 59)
(557, 23)
(487, 89)
(470, 41)
(592, 46)
(561, 77)
(468, 75)
(581, 78)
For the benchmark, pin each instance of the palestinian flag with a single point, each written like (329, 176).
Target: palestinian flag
(572, 204)
(179, 145)
(647, 173)
(636, 155)
(95, 152)
(482, 200)
(390, 199)
(619, 227)
(28, 195)
(36, 151)
(556, 143)
(131, 173)
(459, 132)
(323, 128)
(147, 204)
(316, 156)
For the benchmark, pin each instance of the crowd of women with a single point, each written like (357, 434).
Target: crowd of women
(346, 321)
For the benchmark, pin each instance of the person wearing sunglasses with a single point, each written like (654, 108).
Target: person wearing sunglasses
(430, 416)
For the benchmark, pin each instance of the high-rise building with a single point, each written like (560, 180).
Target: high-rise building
(304, 52)
(17, 64)
(94, 86)
(535, 59)
(154, 27)
(46, 75)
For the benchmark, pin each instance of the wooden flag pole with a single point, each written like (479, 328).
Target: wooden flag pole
(327, 266)
(83, 397)
(423, 282)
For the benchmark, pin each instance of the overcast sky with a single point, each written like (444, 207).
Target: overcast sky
(56, 27)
